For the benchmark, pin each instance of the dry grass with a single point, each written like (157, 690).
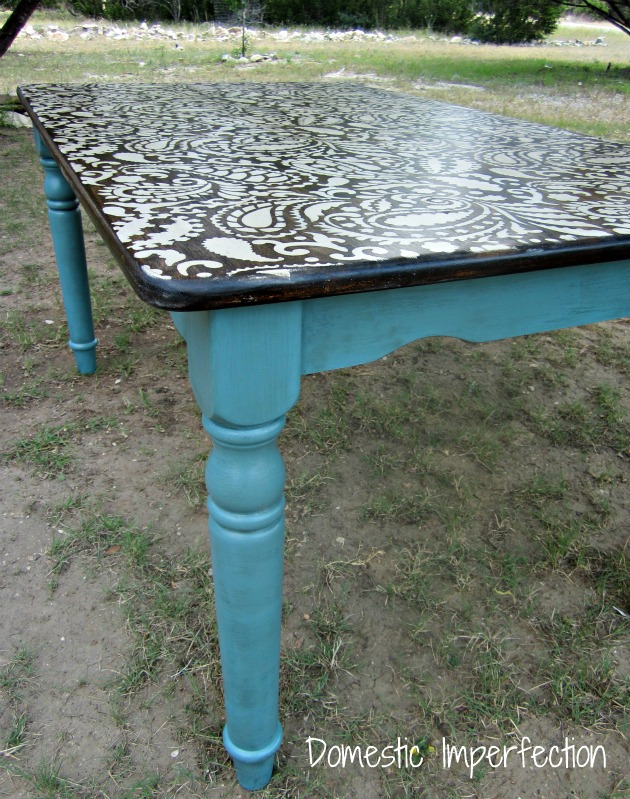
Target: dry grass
(584, 88)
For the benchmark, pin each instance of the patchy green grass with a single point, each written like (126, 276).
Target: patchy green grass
(49, 451)
(15, 677)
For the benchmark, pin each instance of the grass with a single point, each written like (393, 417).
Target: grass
(188, 477)
(601, 418)
(49, 451)
(103, 535)
(470, 576)
(25, 333)
(27, 393)
(15, 677)
(306, 491)
(47, 782)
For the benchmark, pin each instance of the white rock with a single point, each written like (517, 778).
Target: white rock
(16, 120)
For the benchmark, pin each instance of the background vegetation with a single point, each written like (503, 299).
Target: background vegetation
(498, 21)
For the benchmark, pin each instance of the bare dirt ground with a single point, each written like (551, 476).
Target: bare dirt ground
(456, 566)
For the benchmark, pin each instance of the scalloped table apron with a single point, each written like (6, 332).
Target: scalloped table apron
(294, 228)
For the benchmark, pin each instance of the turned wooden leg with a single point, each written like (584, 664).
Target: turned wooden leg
(64, 217)
(244, 367)
(245, 479)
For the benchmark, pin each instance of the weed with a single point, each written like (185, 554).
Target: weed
(59, 512)
(102, 535)
(17, 735)
(610, 351)
(145, 788)
(546, 485)
(32, 274)
(494, 694)
(125, 367)
(24, 333)
(15, 674)
(509, 570)
(122, 342)
(147, 403)
(28, 393)
(610, 574)
(188, 476)
(140, 316)
(401, 508)
(579, 674)
(120, 763)
(14, 678)
(47, 451)
(621, 790)
(305, 491)
(483, 446)
(47, 781)
(562, 535)
(383, 460)
(331, 570)
(603, 424)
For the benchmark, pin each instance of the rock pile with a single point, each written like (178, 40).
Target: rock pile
(143, 31)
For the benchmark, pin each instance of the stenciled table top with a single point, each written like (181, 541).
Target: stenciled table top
(219, 194)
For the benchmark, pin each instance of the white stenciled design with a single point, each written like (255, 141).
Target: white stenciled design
(201, 181)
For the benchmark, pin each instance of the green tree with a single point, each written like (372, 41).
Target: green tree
(447, 16)
(515, 21)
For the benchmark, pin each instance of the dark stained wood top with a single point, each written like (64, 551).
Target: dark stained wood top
(213, 195)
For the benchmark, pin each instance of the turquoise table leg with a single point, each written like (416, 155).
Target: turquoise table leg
(67, 235)
(245, 369)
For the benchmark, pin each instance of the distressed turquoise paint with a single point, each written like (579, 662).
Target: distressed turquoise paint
(244, 363)
(64, 217)
(245, 479)
(344, 331)
(245, 367)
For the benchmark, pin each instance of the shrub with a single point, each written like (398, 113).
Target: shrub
(446, 16)
(514, 21)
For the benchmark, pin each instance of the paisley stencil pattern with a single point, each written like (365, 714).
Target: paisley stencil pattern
(238, 181)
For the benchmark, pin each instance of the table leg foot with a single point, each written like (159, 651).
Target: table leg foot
(253, 768)
(64, 217)
(84, 356)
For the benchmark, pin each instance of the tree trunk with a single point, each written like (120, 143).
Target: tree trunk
(15, 23)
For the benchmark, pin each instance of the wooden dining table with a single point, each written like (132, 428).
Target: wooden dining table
(293, 228)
